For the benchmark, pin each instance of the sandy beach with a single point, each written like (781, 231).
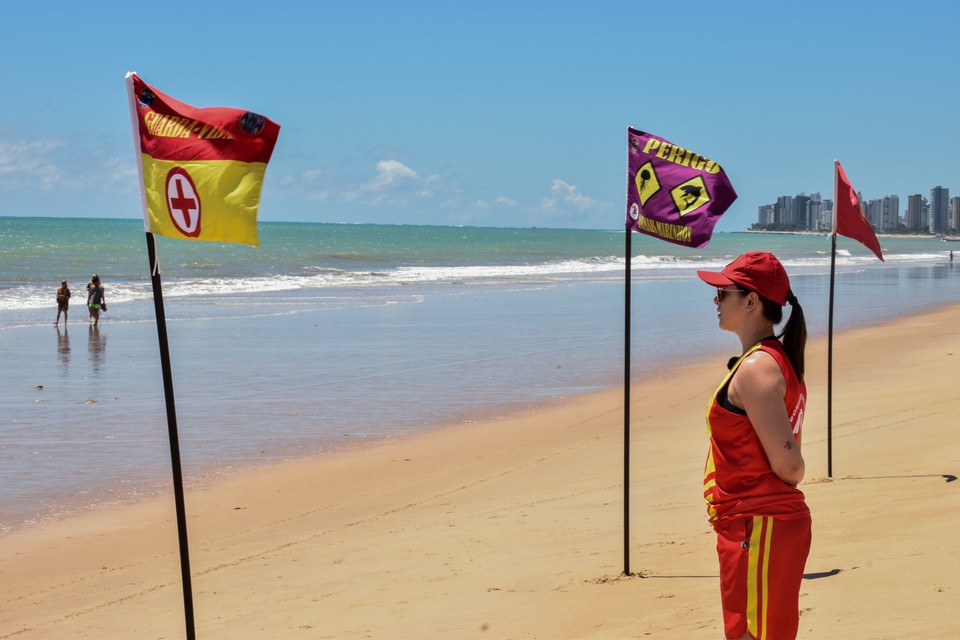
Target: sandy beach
(514, 528)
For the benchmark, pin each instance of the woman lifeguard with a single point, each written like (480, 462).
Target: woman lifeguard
(754, 465)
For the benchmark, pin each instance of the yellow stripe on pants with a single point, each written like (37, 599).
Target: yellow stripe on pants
(757, 576)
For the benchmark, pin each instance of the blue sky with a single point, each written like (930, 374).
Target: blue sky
(493, 114)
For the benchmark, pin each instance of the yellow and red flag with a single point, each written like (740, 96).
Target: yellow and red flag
(201, 170)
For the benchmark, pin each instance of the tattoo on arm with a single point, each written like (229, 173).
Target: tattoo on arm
(788, 445)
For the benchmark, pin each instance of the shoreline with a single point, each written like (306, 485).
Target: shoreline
(462, 531)
(927, 236)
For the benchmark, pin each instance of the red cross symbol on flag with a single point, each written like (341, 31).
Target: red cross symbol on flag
(183, 202)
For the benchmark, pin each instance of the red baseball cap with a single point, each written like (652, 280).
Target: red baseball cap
(758, 271)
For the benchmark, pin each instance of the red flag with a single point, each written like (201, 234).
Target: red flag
(848, 218)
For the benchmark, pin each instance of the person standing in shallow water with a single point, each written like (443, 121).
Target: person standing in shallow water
(754, 464)
(63, 302)
(96, 299)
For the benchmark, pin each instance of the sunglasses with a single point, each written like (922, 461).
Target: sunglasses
(721, 292)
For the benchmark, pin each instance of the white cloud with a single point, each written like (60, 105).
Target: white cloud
(313, 185)
(392, 183)
(312, 175)
(29, 162)
(45, 164)
(121, 171)
(499, 201)
(564, 194)
(390, 173)
(308, 177)
(396, 184)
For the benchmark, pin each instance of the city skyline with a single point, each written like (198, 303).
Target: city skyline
(938, 214)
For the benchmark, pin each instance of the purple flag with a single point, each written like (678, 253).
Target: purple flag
(673, 193)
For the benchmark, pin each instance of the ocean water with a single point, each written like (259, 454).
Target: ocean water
(330, 335)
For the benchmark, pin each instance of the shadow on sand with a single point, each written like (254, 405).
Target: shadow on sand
(949, 477)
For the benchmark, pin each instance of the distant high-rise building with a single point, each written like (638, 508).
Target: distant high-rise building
(939, 203)
(786, 214)
(890, 215)
(874, 213)
(915, 213)
(815, 212)
(954, 214)
(766, 215)
(801, 205)
(826, 216)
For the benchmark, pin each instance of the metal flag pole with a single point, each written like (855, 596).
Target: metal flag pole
(174, 438)
(833, 266)
(833, 270)
(626, 407)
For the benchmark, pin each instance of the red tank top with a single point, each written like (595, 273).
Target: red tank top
(737, 479)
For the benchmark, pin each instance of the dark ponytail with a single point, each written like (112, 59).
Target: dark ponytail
(794, 335)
